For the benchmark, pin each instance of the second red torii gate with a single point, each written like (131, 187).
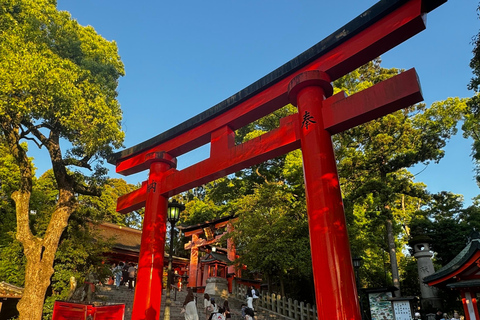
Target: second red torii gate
(196, 243)
(305, 82)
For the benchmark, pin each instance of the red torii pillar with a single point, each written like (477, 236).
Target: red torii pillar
(150, 262)
(331, 259)
(306, 80)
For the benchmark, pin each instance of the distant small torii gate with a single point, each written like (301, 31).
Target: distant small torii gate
(196, 243)
(305, 82)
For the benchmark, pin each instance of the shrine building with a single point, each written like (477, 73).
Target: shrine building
(212, 267)
(462, 274)
(126, 246)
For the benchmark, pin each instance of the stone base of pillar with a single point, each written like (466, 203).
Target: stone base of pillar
(217, 287)
(431, 304)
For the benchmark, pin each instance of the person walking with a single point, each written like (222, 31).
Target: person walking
(124, 274)
(456, 316)
(190, 306)
(226, 310)
(131, 276)
(117, 272)
(250, 299)
(255, 296)
(214, 308)
(207, 305)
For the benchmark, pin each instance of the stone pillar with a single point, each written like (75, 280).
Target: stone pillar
(425, 267)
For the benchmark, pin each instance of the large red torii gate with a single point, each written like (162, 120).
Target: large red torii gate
(305, 82)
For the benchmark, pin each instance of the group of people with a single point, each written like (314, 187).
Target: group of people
(213, 311)
(124, 273)
(444, 316)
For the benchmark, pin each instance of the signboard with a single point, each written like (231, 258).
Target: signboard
(402, 310)
(381, 306)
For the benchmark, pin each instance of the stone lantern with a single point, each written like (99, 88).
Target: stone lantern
(424, 255)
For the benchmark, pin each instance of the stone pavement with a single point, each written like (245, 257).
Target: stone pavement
(107, 294)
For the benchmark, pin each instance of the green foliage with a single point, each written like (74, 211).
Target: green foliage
(58, 85)
(58, 76)
(449, 226)
(373, 161)
(471, 127)
(80, 252)
(271, 234)
(12, 263)
(9, 178)
(103, 208)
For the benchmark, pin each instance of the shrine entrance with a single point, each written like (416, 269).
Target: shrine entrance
(305, 82)
(217, 263)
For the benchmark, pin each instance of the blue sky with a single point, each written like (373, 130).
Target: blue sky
(183, 57)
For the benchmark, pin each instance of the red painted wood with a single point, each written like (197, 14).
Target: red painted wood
(464, 303)
(340, 114)
(368, 44)
(148, 291)
(331, 259)
(336, 294)
(385, 97)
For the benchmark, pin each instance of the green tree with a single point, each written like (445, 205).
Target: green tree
(373, 159)
(447, 223)
(9, 178)
(272, 237)
(448, 227)
(103, 208)
(471, 126)
(58, 83)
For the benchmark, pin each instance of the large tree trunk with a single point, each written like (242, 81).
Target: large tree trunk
(40, 253)
(31, 304)
(393, 258)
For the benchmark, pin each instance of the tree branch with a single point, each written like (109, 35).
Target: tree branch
(82, 163)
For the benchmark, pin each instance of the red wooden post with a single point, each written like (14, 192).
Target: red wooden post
(193, 271)
(148, 291)
(231, 249)
(331, 260)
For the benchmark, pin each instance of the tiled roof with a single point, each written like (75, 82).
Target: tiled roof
(465, 284)
(456, 262)
(214, 256)
(8, 290)
(125, 238)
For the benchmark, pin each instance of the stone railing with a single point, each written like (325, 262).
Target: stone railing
(275, 303)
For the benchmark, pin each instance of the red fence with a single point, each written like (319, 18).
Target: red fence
(75, 311)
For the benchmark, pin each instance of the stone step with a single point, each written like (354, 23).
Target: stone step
(107, 294)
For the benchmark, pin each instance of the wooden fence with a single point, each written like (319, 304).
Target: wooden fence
(278, 304)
